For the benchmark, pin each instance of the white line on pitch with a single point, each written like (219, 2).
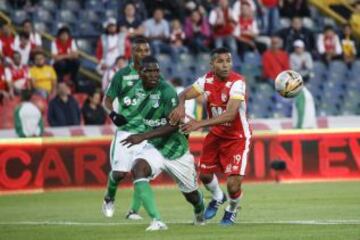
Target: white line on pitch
(290, 222)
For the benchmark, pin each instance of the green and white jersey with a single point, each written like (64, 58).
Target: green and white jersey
(162, 101)
(126, 86)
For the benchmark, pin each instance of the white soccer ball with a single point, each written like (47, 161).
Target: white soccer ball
(289, 83)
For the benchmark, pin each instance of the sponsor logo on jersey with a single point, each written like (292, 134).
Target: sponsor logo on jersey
(155, 122)
(155, 98)
(131, 77)
(228, 168)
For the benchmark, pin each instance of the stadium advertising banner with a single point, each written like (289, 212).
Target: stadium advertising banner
(84, 161)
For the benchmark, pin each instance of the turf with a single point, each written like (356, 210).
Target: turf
(269, 211)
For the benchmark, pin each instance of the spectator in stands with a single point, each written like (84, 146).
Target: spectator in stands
(65, 55)
(24, 47)
(197, 32)
(223, 23)
(301, 60)
(120, 62)
(303, 110)
(177, 38)
(271, 16)
(246, 31)
(274, 60)
(93, 112)
(4, 90)
(348, 45)
(130, 23)
(291, 8)
(35, 38)
(7, 42)
(43, 76)
(140, 9)
(328, 45)
(238, 4)
(110, 45)
(157, 30)
(17, 75)
(27, 117)
(297, 31)
(63, 109)
(355, 17)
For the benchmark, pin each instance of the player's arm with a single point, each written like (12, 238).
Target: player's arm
(232, 110)
(191, 92)
(237, 96)
(110, 95)
(155, 133)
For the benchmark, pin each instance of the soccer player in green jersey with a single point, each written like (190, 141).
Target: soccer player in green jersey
(123, 87)
(166, 148)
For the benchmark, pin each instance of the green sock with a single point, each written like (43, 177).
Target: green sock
(111, 188)
(144, 191)
(136, 202)
(200, 206)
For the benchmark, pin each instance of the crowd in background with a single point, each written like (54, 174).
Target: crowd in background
(280, 31)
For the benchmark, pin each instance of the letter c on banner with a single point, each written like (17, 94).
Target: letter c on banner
(21, 181)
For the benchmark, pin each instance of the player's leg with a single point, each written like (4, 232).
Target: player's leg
(143, 169)
(182, 170)
(209, 164)
(121, 160)
(234, 161)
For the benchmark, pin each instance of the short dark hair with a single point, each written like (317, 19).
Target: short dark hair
(26, 95)
(140, 40)
(63, 29)
(149, 59)
(27, 20)
(39, 52)
(25, 35)
(217, 51)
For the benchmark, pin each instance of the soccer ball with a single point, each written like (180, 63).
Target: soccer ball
(289, 83)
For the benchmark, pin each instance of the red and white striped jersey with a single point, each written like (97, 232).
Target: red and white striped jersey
(217, 94)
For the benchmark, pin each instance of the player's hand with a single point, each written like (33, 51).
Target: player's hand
(132, 140)
(190, 126)
(176, 115)
(117, 119)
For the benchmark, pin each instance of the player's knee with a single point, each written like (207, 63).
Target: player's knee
(206, 178)
(118, 176)
(192, 197)
(141, 169)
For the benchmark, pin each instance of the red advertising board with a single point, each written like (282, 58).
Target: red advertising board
(84, 161)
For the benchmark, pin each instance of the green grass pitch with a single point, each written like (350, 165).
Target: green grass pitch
(269, 211)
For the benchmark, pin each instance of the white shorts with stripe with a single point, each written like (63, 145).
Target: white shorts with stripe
(121, 157)
(182, 170)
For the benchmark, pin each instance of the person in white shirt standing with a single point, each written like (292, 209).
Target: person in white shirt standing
(17, 75)
(110, 45)
(303, 111)
(301, 60)
(34, 37)
(28, 118)
(23, 47)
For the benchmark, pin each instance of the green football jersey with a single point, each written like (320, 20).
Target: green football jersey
(162, 101)
(125, 86)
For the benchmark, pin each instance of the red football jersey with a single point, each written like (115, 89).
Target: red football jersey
(217, 94)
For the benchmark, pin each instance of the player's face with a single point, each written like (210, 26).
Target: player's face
(150, 75)
(221, 65)
(141, 51)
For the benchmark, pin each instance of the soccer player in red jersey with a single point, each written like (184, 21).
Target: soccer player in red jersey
(227, 145)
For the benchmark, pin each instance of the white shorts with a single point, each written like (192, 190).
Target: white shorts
(121, 157)
(182, 170)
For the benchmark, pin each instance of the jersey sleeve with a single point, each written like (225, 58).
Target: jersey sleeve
(171, 100)
(237, 90)
(114, 86)
(199, 84)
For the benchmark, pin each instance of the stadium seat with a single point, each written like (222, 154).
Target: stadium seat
(84, 45)
(18, 16)
(43, 16)
(42, 27)
(94, 5)
(68, 16)
(71, 5)
(111, 13)
(49, 5)
(87, 29)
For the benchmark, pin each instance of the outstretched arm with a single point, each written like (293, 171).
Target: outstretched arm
(157, 132)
